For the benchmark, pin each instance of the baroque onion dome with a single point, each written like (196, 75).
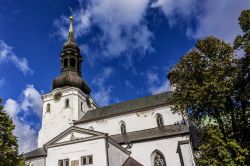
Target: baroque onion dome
(71, 61)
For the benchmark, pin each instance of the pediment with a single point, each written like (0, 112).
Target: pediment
(72, 134)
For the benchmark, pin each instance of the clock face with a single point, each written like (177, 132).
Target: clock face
(57, 96)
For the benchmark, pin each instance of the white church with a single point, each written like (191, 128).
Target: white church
(76, 132)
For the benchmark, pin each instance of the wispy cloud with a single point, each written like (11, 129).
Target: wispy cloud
(2, 82)
(128, 84)
(121, 28)
(103, 92)
(218, 18)
(30, 103)
(174, 9)
(7, 55)
(157, 84)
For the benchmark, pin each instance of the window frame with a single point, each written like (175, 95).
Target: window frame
(158, 155)
(87, 160)
(64, 162)
(81, 106)
(159, 120)
(72, 62)
(65, 62)
(123, 128)
(66, 103)
(48, 107)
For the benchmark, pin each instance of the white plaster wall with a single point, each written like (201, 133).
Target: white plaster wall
(134, 121)
(142, 151)
(187, 154)
(76, 135)
(97, 148)
(36, 162)
(116, 156)
(60, 118)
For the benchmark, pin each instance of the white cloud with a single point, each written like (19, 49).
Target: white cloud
(213, 17)
(152, 77)
(163, 87)
(7, 55)
(2, 82)
(31, 100)
(220, 18)
(155, 84)
(176, 8)
(122, 26)
(102, 95)
(30, 103)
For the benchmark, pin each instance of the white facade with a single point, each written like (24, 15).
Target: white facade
(143, 151)
(134, 121)
(61, 118)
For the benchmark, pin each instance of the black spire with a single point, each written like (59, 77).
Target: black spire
(71, 61)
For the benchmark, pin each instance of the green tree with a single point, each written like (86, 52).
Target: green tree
(205, 87)
(203, 81)
(8, 142)
(216, 151)
(242, 86)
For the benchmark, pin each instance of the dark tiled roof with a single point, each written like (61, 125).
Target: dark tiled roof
(127, 107)
(131, 162)
(40, 152)
(154, 133)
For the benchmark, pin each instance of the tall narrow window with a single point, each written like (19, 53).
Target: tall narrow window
(48, 108)
(86, 160)
(158, 159)
(65, 62)
(72, 62)
(123, 128)
(66, 103)
(159, 120)
(64, 162)
(81, 106)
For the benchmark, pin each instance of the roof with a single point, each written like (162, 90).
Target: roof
(131, 162)
(40, 152)
(153, 133)
(136, 136)
(127, 107)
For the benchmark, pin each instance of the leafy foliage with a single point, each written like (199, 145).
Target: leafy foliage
(8, 142)
(212, 86)
(216, 151)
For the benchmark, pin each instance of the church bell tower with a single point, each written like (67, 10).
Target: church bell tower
(70, 97)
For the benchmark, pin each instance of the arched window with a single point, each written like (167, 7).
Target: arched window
(48, 108)
(159, 120)
(158, 159)
(65, 62)
(123, 128)
(72, 62)
(91, 128)
(66, 103)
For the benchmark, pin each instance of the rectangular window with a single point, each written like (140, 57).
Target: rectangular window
(86, 160)
(64, 162)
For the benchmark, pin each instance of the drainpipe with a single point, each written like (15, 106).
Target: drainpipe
(107, 146)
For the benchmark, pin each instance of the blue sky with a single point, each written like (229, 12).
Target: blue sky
(128, 47)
